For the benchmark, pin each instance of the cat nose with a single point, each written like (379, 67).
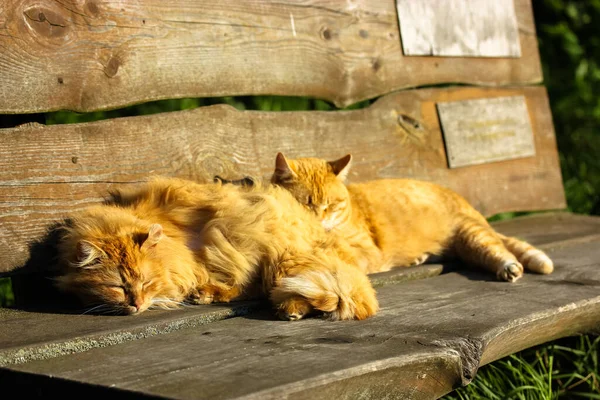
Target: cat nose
(137, 303)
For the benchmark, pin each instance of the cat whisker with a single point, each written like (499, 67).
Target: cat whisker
(96, 308)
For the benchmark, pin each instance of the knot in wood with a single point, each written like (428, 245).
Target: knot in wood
(408, 122)
(92, 8)
(45, 22)
(112, 67)
(376, 64)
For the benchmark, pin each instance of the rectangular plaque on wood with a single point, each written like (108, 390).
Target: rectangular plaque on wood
(486, 130)
(480, 28)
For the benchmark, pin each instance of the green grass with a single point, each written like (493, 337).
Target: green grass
(565, 369)
(7, 297)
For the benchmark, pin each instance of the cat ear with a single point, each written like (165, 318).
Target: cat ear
(87, 253)
(341, 167)
(283, 171)
(155, 233)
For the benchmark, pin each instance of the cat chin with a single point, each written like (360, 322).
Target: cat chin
(328, 224)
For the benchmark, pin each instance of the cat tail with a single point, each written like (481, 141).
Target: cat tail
(533, 259)
(343, 292)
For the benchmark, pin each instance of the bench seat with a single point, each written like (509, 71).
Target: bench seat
(430, 336)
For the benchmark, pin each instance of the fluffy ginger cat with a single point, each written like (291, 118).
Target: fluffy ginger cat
(402, 222)
(172, 240)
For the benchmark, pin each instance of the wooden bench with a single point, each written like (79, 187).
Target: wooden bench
(430, 336)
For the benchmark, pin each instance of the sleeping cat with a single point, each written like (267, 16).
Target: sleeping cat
(402, 222)
(172, 240)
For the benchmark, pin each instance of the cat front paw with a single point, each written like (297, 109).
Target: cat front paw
(419, 260)
(294, 309)
(200, 296)
(510, 272)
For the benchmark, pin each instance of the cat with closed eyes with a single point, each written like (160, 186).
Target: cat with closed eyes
(171, 240)
(402, 222)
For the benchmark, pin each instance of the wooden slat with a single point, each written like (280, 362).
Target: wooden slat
(73, 331)
(48, 171)
(429, 337)
(22, 340)
(551, 228)
(99, 54)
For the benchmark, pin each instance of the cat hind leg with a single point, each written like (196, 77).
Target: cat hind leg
(478, 244)
(534, 260)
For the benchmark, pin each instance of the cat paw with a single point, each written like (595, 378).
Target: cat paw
(510, 272)
(293, 309)
(200, 297)
(419, 260)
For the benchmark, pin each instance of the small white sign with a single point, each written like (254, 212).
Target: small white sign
(455, 28)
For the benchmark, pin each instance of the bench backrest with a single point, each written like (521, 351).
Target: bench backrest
(498, 151)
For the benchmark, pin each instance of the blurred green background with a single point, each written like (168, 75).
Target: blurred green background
(569, 39)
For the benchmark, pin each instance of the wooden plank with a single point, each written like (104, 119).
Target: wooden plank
(429, 337)
(101, 54)
(48, 171)
(486, 130)
(67, 330)
(455, 28)
(551, 228)
(21, 340)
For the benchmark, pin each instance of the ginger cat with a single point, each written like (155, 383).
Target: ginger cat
(172, 240)
(402, 222)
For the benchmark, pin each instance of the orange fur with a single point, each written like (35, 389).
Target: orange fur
(171, 240)
(401, 222)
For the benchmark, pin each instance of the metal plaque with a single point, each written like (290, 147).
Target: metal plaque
(486, 130)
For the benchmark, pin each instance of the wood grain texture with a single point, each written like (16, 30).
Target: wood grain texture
(486, 130)
(48, 171)
(429, 337)
(96, 54)
(455, 28)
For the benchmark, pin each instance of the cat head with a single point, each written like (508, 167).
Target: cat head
(110, 261)
(317, 184)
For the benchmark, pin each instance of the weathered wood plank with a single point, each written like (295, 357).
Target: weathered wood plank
(48, 171)
(430, 336)
(99, 54)
(551, 228)
(459, 28)
(73, 331)
(21, 340)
